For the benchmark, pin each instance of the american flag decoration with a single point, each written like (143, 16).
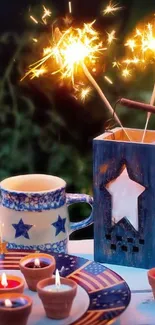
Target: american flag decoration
(94, 277)
(108, 292)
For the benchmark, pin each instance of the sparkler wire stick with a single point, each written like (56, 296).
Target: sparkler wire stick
(149, 113)
(102, 96)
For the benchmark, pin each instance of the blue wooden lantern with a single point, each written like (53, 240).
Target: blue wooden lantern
(122, 242)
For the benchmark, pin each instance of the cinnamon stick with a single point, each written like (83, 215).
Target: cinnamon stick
(137, 105)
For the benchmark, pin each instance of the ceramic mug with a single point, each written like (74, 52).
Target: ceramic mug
(35, 215)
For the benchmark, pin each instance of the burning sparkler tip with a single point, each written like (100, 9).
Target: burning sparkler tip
(111, 8)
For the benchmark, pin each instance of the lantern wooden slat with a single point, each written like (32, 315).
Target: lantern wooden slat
(121, 243)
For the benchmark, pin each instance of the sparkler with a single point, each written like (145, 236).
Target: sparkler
(111, 8)
(141, 53)
(72, 51)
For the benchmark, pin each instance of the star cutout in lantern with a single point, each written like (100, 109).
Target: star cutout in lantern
(22, 229)
(59, 225)
(125, 193)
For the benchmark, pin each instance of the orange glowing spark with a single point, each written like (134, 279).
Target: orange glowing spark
(111, 8)
(70, 7)
(34, 40)
(131, 43)
(111, 36)
(38, 72)
(46, 13)
(34, 19)
(108, 80)
(126, 73)
(85, 93)
(116, 64)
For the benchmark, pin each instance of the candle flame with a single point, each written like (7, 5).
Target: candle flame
(37, 262)
(8, 303)
(4, 282)
(57, 278)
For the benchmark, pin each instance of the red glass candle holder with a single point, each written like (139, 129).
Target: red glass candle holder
(15, 284)
(34, 274)
(15, 315)
(57, 304)
(151, 278)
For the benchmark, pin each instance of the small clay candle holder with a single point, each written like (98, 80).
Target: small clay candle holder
(10, 284)
(34, 273)
(151, 278)
(57, 303)
(14, 309)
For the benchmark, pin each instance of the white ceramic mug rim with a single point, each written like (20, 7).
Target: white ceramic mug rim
(5, 188)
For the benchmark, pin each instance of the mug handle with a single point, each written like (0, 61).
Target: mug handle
(78, 198)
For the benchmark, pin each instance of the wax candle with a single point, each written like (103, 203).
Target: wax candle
(14, 309)
(11, 283)
(13, 303)
(35, 267)
(57, 295)
(55, 288)
(37, 263)
(58, 286)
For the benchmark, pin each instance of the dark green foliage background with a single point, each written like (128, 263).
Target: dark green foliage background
(45, 130)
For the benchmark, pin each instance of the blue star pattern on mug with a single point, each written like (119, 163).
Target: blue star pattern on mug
(59, 225)
(35, 201)
(58, 247)
(22, 229)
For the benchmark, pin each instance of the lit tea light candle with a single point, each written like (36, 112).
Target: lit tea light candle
(14, 303)
(58, 286)
(57, 295)
(38, 263)
(14, 309)
(11, 283)
(36, 267)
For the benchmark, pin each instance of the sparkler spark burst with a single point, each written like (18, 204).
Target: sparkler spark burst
(111, 8)
(69, 50)
(108, 80)
(72, 52)
(111, 36)
(140, 49)
(85, 93)
(46, 13)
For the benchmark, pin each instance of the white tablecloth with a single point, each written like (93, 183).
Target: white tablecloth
(141, 310)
